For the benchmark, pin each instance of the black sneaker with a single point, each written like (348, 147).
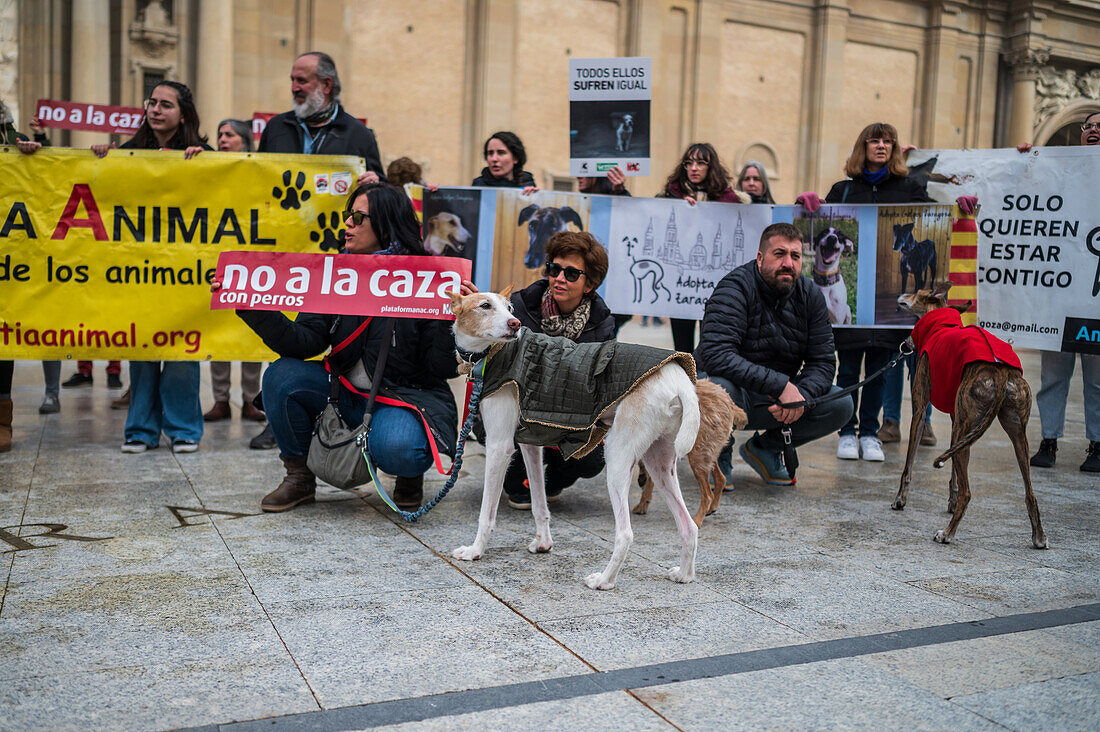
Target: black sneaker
(77, 379)
(1044, 457)
(114, 381)
(1092, 458)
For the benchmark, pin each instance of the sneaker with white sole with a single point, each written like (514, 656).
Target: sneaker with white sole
(871, 448)
(184, 446)
(847, 448)
(134, 447)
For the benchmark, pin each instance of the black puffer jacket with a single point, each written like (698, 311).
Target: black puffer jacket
(486, 179)
(420, 361)
(345, 135)
(760, 340)
(890, 190)
(527, 304)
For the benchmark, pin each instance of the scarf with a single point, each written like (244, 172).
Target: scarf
(877, 177)
(556, 324)
(323, 115)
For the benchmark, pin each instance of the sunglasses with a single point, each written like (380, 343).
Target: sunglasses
(572, 274)
(356, 217)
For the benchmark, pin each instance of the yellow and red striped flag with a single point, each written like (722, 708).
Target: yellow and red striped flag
(963, 267)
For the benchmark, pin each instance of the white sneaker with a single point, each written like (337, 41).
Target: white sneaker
(847, 448)
(871, 449)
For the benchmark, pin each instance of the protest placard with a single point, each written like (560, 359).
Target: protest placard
(91, 117)
(609, 115)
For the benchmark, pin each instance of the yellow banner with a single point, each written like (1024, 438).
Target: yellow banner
(111, 258)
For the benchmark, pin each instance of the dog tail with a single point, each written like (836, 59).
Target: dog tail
(970, 437)
(689, 420)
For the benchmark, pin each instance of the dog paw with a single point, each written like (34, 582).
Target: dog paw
(539, 545)
(1039, 542)
(466, 553)
(941, 537)
(596, 581)
(678, 575)
(641, 509)
(898, 505)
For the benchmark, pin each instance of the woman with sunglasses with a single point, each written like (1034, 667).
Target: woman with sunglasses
(565, 303)
(700, 176)
(379, 221)
(164, 395)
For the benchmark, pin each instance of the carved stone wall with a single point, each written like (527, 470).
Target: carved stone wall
(1056, 89)
(9, 56)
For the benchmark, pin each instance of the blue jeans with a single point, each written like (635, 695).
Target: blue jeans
(164, 395)
(867, 399)
(893, 384)
(814, 423)
(1057, 369)
(295, 392)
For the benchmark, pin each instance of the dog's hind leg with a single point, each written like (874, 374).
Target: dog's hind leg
(720, 485)
(536, 480)
(960, 462)
(647, 493)
(660, 461)
(1014, 414)
(707, 500)
(500, 415)
(921, 394)
(620, 456)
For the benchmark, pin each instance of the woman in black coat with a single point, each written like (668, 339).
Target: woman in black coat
(565, 303)
(505, 157)
(418, 417)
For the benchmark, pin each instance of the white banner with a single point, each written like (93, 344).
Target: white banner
(1038, 277)
(609, 115)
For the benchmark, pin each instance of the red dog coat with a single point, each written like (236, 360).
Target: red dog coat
(950, 347)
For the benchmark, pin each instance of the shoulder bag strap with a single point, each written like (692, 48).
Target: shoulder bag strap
(334, 379)
(379, 368)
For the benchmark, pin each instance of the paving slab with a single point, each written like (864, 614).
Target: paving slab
(1033, 706)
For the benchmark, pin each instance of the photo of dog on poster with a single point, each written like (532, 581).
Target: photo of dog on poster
(830, 243)
(450, 222)
(608, 129)
(914, 245)
(525, 224)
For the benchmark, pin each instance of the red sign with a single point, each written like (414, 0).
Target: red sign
(90, 117)
(343, 284)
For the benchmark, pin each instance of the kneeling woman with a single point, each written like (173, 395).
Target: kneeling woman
(379, 220)
(563, 304)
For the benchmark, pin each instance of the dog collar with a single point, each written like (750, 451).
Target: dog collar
(824, 279)
(472, 357)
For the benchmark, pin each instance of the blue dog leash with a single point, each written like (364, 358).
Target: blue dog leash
(477, 376)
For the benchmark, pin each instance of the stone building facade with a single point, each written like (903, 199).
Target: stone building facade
(786, 82)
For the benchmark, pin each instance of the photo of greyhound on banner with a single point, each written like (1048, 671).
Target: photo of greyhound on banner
(450, 219)
(523, 226)
(830, 240)
(913, 254)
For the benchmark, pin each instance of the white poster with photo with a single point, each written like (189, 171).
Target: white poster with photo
(1038, 275)
(609, 115)
(666, 255)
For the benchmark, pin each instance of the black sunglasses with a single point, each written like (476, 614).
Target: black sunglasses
(553, 269)
(356, 217)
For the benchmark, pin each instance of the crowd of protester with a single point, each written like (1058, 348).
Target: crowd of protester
(765, 336)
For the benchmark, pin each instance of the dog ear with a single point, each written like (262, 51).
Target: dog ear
(570, 216)
(941, 289)
(526, 214)
(507, 290)
(456, 301)
(964, 307)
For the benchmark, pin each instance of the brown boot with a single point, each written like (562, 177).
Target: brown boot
(217, 413)
(5, 425)
(250, 412)
(927, 438)
(123, 402)
(299, 486)
(408, 492)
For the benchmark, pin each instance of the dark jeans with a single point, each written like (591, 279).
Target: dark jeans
(7, 370)
(683, 334)
(560, 473)
(815, 423)
(868, 398)
(296, 391)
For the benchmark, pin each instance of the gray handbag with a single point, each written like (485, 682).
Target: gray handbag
(336, 450)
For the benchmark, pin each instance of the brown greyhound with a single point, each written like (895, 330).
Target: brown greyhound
(990, 384)
(718, 418)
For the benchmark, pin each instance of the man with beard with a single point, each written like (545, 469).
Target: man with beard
(318, 124)
(766, 340)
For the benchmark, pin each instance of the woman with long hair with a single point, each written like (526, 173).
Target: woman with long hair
(379, 221)
(505, 157)
(753, 180)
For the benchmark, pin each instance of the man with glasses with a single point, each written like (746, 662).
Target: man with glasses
(318, 124)
(766, 339)
(1057, 369)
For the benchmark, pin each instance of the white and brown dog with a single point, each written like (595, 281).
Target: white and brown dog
(445, 231)
(655, 423)
(828, 245)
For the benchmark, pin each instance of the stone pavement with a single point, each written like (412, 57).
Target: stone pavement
(149, 592)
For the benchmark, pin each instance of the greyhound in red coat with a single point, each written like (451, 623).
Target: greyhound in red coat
(975, 377)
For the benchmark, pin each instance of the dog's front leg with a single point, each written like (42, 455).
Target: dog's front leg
(921, 395)
(620, 459)
(536, 481)
(500, 415)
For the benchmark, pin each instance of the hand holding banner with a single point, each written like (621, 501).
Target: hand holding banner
(343, 284)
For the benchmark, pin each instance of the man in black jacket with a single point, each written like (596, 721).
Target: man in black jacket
(766, 339)
(318, 123)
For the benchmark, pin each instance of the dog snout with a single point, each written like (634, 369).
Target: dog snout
(514, 324)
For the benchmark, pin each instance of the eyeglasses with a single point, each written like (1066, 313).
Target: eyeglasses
(696, 163)
(1086, 126)
(553, 269)
(356, 217)
(157, 103)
